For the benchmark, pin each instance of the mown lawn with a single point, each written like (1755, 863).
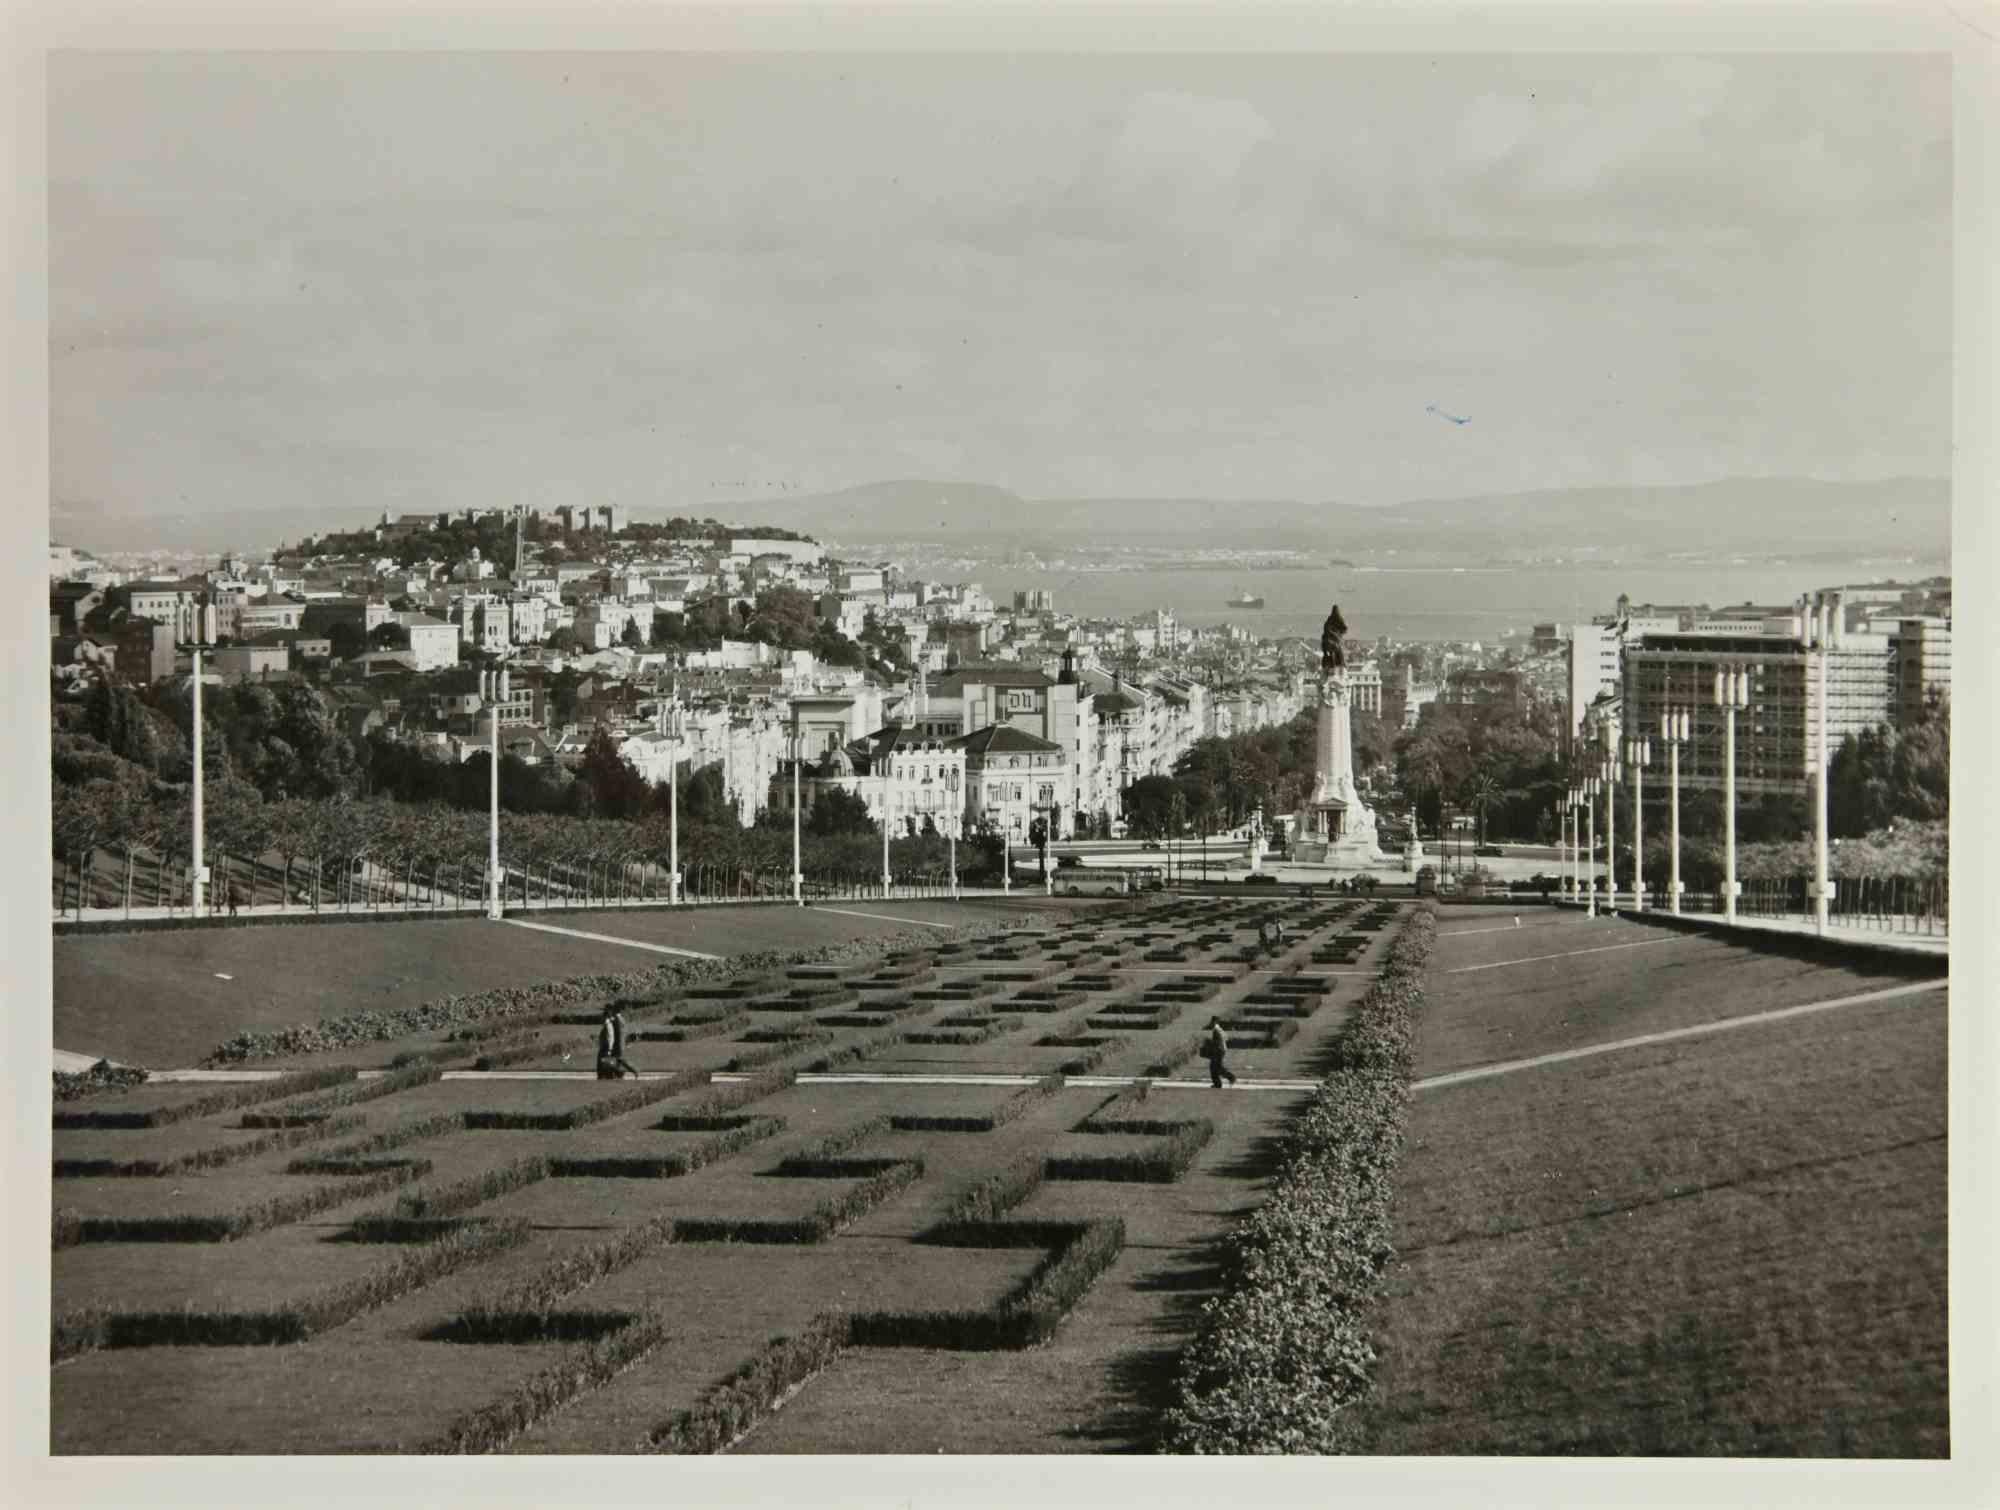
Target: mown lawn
(385, 1380)
(160, 1000)
(1728, 1245)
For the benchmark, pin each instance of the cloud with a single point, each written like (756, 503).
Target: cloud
(300, 277)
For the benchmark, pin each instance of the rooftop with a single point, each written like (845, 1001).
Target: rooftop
(1004, 739)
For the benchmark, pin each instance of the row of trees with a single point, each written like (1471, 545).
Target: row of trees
(1220, 782)
(317, 850)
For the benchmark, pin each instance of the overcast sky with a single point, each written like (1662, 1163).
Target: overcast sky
(425, 281)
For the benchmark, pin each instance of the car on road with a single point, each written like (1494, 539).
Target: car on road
(1487, 851)
(1068, 862)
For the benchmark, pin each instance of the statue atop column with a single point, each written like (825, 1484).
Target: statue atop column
(1334, 826)
(1333, 641)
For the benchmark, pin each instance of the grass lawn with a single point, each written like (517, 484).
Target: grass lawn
(1097, 1385)
(1728, 1245)
(1637, 979)
(378, 1383)
(159, 1000)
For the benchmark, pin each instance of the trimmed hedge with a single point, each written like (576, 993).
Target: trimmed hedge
(1031, 1314)
(855, 1019)
(732, 1405)
(793, 1033)
(985, 1202)
(1041, 1001)
(1284, 1351)
(825, 1219)
(420, 1215)
(570, 1272)
(628, 1340)
(1135, 1021)
(1007, 1111)
(295, 1321)
(854, 1053)
(228, 1098)
(528, 1328)
(205, 1158)
(961, 1034)
(1161, 1163)
(514, 1051)
(833, 1145)
(1090, 1059)
(686, 1029)
(102, 1079)
(700, 1115)
(774, 1053)
(692, 977)
(69, 1228)
(419, 1072)
(673, 1162)
(436, 1126)
(633, 1098)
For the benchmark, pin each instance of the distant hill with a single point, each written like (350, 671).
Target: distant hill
(1796, 518)
(1790, 516)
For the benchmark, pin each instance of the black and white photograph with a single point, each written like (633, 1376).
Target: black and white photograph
(914, 748)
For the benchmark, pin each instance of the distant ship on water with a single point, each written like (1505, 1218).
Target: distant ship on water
(1246, 600)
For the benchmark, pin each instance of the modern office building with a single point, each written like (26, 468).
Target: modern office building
(1777, 736)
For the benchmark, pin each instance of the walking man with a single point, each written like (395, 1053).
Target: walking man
(1214, 1048)
(611, 1063)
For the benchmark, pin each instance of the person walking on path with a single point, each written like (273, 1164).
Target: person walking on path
(1216, 1046)
(611, 1047)
(230, 894)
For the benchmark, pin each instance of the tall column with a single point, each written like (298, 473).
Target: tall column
(1676, 724)
(1641, 751)
(1590, 846)
(1823, 613)
(493, 909)
(1611, 833)
(1731, 692)
(197, 895)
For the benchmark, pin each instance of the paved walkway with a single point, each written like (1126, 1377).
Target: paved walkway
(1934, 945)
(610, 938)
(1700, 1030)
(266, 912)
(1502, 964)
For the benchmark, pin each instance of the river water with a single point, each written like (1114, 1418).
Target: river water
(1435, 603)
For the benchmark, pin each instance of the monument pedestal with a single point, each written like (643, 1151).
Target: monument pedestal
(1335, 827)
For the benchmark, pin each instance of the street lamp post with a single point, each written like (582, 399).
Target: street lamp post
(1732, 691)
(885, 840)
(1674, 727)
(1572, 838)
(951, 854)
(1639, 755)
(1609, 776)
(1822, 626)
(203, 638)
(497, 690)
(1590, 846)
(673, 722)
(798, 869)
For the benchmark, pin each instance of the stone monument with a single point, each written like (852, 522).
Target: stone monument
(1334, 826)
(1257, 841)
